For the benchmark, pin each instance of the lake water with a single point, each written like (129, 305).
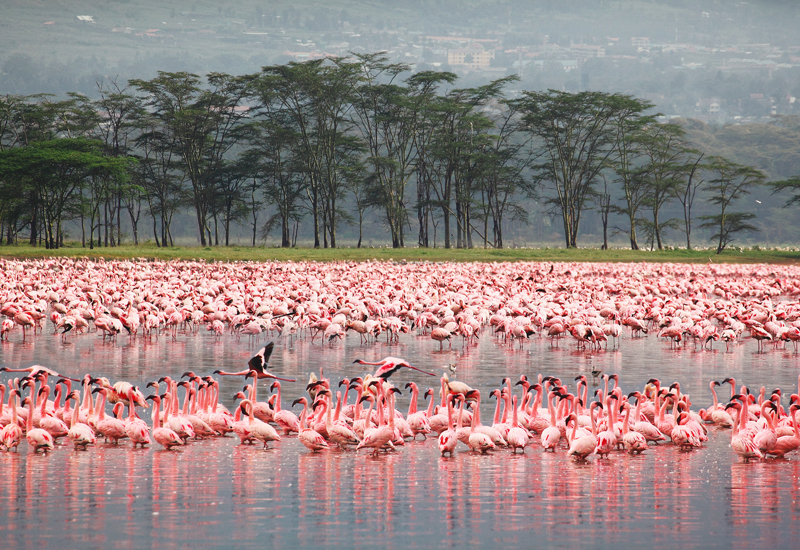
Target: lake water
(216, 493)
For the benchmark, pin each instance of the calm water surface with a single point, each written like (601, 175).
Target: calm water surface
(217, 493)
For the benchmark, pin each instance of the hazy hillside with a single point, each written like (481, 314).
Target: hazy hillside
(46, 47)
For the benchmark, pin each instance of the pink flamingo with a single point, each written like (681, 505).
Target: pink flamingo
(136, 429)
(383, 434)
(551, 435)
(258, 429)
(108, 426)
(80, 434)
(164, 436)
(479, 441)
(448, 439)
(287, 420)
(634, 442)
(440, 335)
(311, 439)
(37, 438)
(389, 365)
(787, 443)
(582, 446)
(11, 434)
(517, 436)
(338, 432)
(741, 444)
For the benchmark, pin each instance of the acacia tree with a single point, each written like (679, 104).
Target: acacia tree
(118, 110)
(389, 117)
(505, 161)
(458, 151)
(791, 186)
(278, 171)
(159, 175)
(314, 101)
(627, 129)
(687, 191)
(53, 171)
(573, 143)
(428, 103)
(204, 125)
(663, 172)
(729, 182)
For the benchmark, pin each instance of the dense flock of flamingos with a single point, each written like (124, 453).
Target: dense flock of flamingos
(593, 305)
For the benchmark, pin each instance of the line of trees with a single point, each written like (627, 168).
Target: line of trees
(305, 140)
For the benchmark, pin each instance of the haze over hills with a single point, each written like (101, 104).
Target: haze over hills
(692, 58)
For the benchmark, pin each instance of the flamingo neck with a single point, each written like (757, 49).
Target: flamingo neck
(514, 419)
(74, 414)
(157, 414)
(496, 417)
(412, 407)
(429, 411)
(449, 414)
(338, 406)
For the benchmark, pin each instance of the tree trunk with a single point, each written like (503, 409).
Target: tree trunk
(657, 230)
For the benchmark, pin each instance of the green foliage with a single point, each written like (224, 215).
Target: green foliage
(576, 136)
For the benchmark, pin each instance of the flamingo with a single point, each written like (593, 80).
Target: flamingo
(788, 443)
(447, 438)
(418, 420)
(376, 438)
(582, 446)
(338, 432)
(310, 438)
(108, 426)
(634, 441)
(551, 435)
(11, 433)
(38, 439)
(517, 437)
(164, 436)
(479, 441)
(389, 365)
(741, 443)
(287, 420)
(440, 335)
(135, 428)
(258, 429)
(256, 364)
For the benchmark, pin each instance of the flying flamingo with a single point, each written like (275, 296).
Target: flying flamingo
(257, 364)
(389, 365)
